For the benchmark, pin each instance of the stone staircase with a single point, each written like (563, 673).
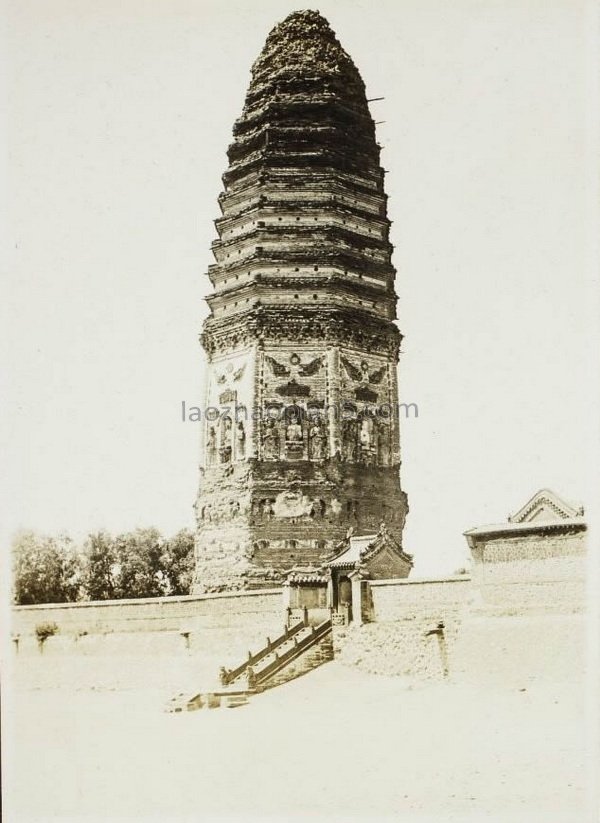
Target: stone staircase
(299, 649)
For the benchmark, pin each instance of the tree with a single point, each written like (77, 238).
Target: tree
(99, 560)
(178, 562)
(134, 564)
(138, 571)
(45, 569)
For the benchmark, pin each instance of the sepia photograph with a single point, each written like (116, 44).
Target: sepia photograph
(302, 319)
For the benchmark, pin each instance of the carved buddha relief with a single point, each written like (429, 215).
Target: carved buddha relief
(316, 440)
(383, 444)
(225, 440)
(270, 440)
(349, 430)
(294, 434)
(367, 453)
(211, 446)
(240, 441)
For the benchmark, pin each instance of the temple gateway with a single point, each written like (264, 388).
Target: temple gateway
(302, 440)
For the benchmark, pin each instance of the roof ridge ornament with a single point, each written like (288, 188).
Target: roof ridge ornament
(546, 499)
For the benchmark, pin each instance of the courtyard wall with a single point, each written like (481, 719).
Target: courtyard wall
(517, 622)
(154, 614)
(513, 621)
(167, 644)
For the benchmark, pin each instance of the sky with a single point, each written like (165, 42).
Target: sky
(119, 117)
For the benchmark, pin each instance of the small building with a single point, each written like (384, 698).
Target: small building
(340, 584)
(536, 558)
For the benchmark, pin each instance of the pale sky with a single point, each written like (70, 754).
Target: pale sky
(120, 115)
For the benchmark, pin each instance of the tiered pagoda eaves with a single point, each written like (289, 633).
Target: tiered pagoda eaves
(301, 339)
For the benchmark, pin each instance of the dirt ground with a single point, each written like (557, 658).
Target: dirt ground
(336, 744)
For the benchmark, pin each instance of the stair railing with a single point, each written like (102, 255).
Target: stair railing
(316, 634)
(228, 676)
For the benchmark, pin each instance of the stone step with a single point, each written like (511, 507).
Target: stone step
(228, 698)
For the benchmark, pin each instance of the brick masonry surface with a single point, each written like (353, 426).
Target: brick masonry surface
(543, 572)
(153, 614)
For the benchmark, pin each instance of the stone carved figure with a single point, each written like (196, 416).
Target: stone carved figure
(270, 441)
(293, 432)
(349, 441)
(383, 452)
(211, 445)
(240, 441)
(319, 508)
(308, 369)
(336, 508)
(292, 504)
(267, 508)
(365, 433)
(225, 450)
(316, 439)
(352, 509)
(366, 441)
(278, 369)
(294, 439)
(239, 373)
(360, 374)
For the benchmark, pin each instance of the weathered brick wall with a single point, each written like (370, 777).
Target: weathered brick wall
(194, 613)
(165, 644)
(397, 599)
(489, 651)
(531, 547)
(398, 641)
(164, 661)
(531, 572)
(400, 648)
(528, 633)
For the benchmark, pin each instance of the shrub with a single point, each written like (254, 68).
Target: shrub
(45, 630)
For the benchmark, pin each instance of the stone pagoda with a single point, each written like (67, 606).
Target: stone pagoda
(300, 440)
